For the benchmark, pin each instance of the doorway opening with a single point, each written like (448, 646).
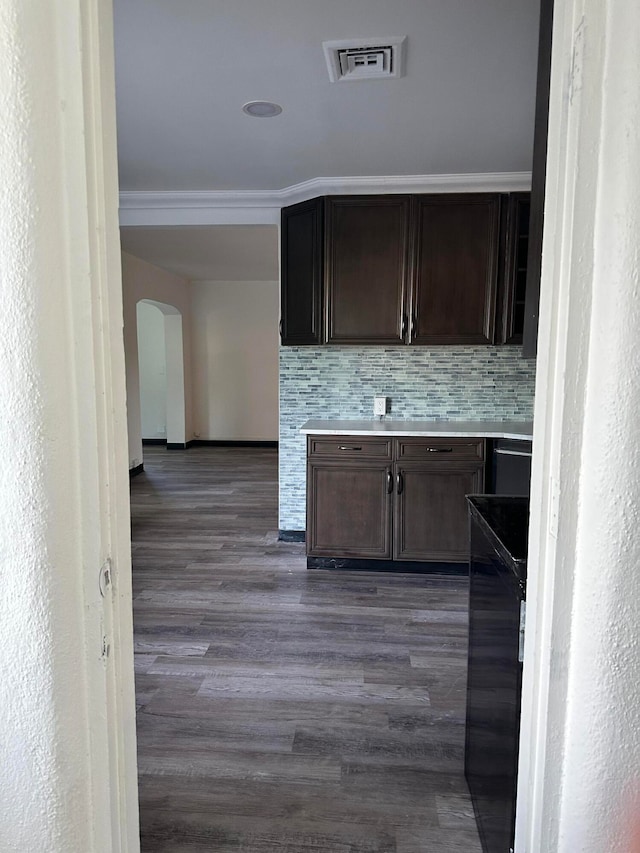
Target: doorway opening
(161, 373)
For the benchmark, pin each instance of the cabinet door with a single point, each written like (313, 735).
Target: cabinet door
(349, 509)
(454, 278)
(367, 269)
(302, 273)
(514, 283)
(430, 518)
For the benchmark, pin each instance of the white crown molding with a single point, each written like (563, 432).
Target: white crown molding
(262, 207)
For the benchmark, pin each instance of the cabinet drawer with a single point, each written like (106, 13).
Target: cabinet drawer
(349, 447)
(440, 448)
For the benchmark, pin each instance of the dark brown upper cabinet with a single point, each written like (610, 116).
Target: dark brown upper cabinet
(367, 269)
(398, 269)
(302, 235)
(538, 177)
(514, 275)
(456, 268)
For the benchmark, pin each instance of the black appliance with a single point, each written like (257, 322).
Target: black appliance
(511, 474)
(499, 533)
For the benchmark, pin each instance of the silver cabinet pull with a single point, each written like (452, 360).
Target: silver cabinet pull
(439, 449)
(347, 447)
(504, 452)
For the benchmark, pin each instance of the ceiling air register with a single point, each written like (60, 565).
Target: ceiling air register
(364, 59)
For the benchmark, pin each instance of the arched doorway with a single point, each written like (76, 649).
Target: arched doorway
(161, 372)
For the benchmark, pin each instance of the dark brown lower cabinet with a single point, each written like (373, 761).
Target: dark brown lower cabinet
(391, 500)
(430, 513)
(349, 509)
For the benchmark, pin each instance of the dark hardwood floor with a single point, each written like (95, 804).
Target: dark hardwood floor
(281, 709)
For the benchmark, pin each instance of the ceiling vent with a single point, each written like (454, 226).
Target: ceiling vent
(364, 59)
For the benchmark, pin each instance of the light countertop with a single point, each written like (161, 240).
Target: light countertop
(422, 428)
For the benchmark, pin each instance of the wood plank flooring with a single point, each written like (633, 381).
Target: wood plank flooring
(281, 709)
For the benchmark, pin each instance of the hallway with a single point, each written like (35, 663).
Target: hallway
(279, 709)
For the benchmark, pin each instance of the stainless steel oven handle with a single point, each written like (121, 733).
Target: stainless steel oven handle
(504, 452)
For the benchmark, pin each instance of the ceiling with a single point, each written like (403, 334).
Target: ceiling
(184, 70)
(220, 253)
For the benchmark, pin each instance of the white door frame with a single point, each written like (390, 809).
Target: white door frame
(579, 749)
(68, 780)
(107, 321)
(581, 157)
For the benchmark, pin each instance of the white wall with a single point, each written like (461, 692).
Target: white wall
(68, 756)
(579, 780)
(235, 359)
(152, 371)
(141, 280)
(175, 378)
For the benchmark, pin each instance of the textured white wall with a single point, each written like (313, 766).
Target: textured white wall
(67, 747)
(235, 359)
(152, 371)
(579, 784)
(141, 280)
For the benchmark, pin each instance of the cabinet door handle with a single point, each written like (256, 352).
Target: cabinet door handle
(403, 333)
(348, 447)
(414, 326)
(400, 482)
(439, 449)
(389, 482)
(280, 328)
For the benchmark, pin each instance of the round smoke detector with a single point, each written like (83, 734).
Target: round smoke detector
(262, 109)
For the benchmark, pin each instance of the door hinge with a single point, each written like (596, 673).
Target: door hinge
(104, 577)
(523, 619)
(106, 649)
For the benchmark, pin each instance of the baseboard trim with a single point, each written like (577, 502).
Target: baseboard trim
(205, 442)
(133, 472)
(396, 566)
(292, 535)
(214, 442)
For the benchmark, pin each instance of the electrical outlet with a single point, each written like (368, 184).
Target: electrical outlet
(379, 406)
